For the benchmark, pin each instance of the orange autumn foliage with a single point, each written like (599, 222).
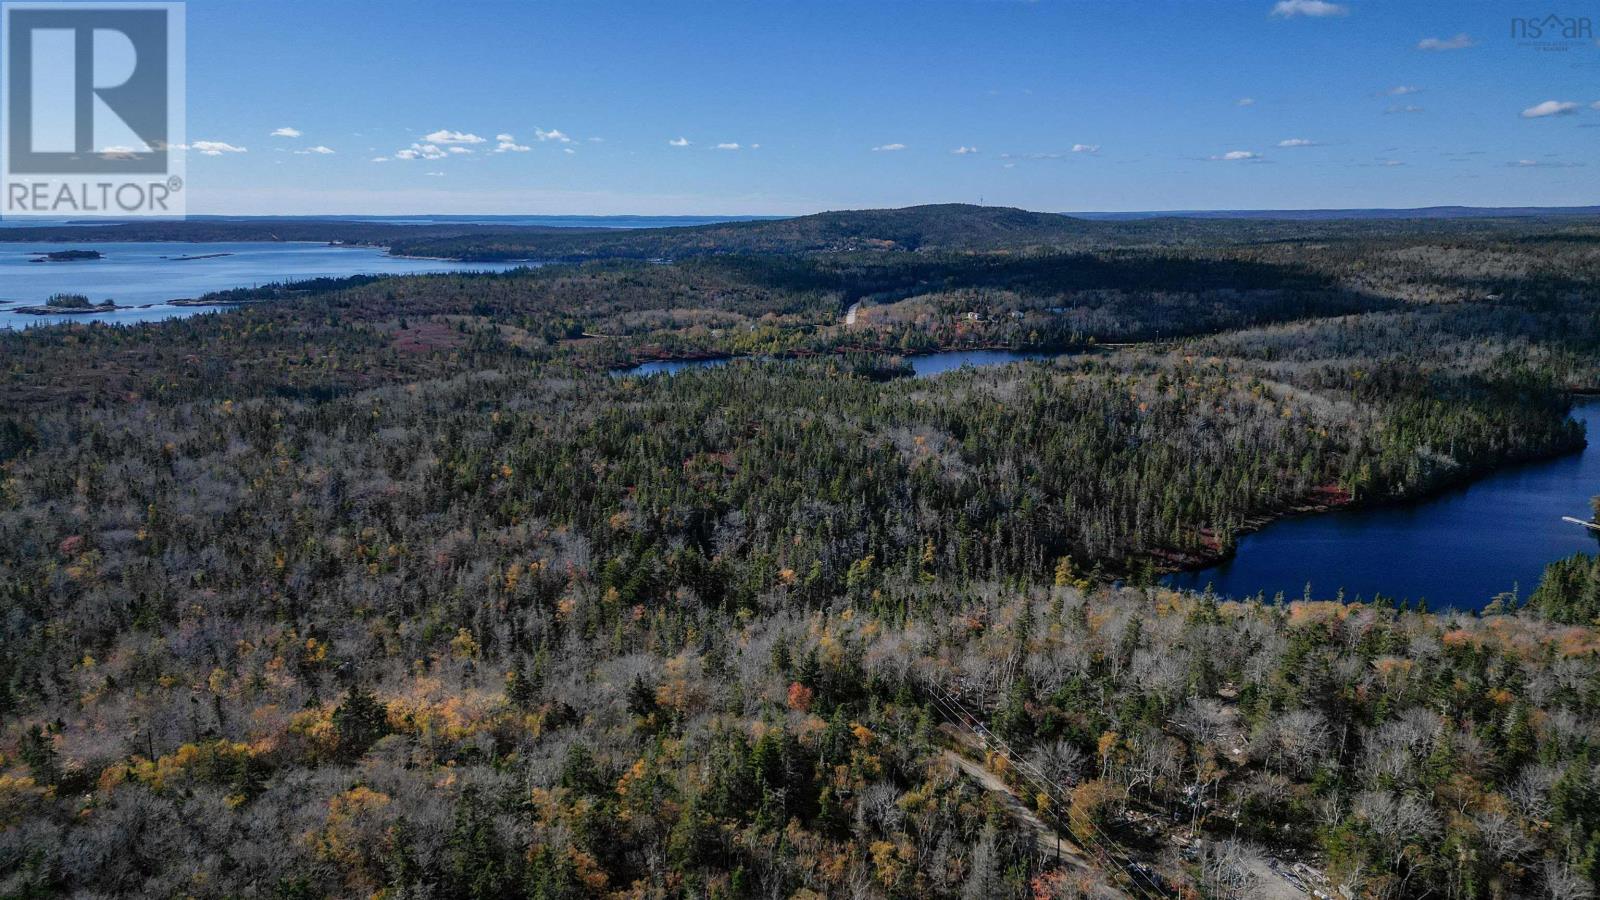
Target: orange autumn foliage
(800, 697)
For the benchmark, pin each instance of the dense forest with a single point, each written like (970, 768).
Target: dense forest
(959, 228)
(391, 587)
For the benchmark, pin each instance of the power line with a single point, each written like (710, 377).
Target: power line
(1098, 842)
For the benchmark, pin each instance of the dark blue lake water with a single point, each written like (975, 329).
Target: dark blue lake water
(936, 363)
(671, 366)
(147, 275)
(1456, 549)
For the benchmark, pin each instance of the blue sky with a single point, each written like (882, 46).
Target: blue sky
(1058, 106)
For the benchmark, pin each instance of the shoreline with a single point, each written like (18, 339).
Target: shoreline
(708, 357)
(1468, 476)
(1177, 562)
(196, 304)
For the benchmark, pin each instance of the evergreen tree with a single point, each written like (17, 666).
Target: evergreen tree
(359, 722)
(477, 866)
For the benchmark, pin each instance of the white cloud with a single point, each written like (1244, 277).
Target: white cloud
(1543, 164)
(1237, 156)
(460, 151)
(508, 144)
(1460, 42)
(445, 136)
(318, 149)
(964, 150)
(1316, 9)
(404, 199)
(380, 159)
(679, 142)
(568, 150)
(1398, 110)
(1245, 101)
(1297, 142)
(420, 151)
(886, 148)
(215, 148)
(286, 131)
(729, 146)
(1550, 108)
(1391, 163)
(551, 135)
(1403, 90)
(596, 140)
(1085, 148)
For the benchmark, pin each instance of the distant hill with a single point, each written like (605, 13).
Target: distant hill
(955, 227)
(1317, 215)
(950, 226)
(947, 227)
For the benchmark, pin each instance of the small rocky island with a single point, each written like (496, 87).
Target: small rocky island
(68, 256)
(67, 304)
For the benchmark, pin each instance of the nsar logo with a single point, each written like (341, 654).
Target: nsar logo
(1552, 31)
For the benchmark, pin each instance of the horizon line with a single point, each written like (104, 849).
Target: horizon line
(1327, 211)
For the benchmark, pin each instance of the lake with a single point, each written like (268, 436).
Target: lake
(504, 221)
(1455, 549)
(147, 274)
(672, 366)
(938, 363)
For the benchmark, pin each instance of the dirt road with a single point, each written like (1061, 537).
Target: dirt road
(1050, 841)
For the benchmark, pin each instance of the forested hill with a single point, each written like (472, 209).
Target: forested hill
(956, 227)
(945, 226)
(950, 226)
